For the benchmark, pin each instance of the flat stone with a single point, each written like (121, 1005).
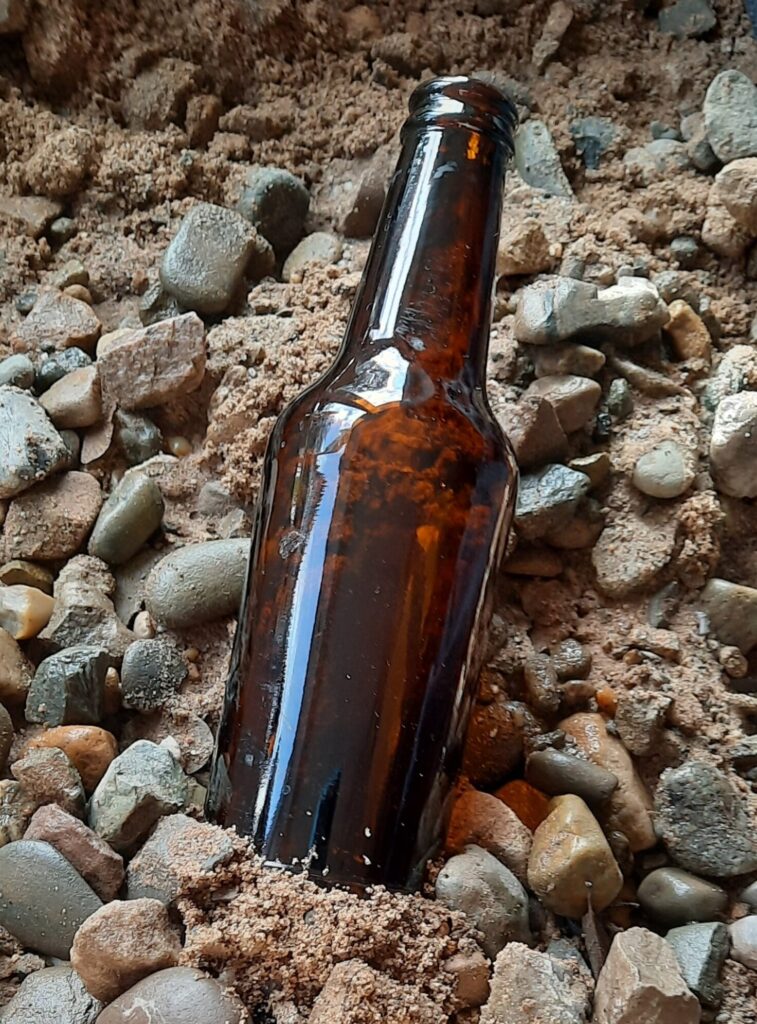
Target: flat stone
(547, 499)
(152, 672)
(49, 777)
(198, 583)
(733, 445)
(688, 332)
(57, 321)
(533, 429)
(744, 941)
(18, 371)
(737, 190)
(89, 748)
(704, 822)
(640, 981)
(24, 611)
(480, 819)
(490, 895)
(52, 994)
(523, 247)
(276, 203)
(205, 263)
(573, 398)
(31, 213)
(156, 364)
(52, 520)
(528, 986)
(69, 687)
(319, 249)
(100, 867)
(179, 994)
(30, 446)
(75, 400)
(665, 471)
(537, 160)
(129, 517)
(15, 670)
(567, 359)
(687, 18)
(179, 849)
(140, 786)
(631, 552)
(701, 950)
(558, 773)
(28, 574)
(122, 943)
(730, 116)
(43, 900)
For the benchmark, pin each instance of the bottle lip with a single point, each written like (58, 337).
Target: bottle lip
(461, 101)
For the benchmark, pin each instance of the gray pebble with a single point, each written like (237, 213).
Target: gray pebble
(569, 358)
(547, 499)
(178, 995)
(61, 229)
(30, 446)
(17, 370)
(151, 673)
(731, 610)
(749, 895)
(674, 897)
(558, 773)
(703, 822)
(58, 365)
(158, 304)
(743, 935)
(665, 471)
(139, 438)
(730, 116)
(72, 272)
(660, 130)
(53, 994)
(43, 900)
(619, 399)
(276, 203)
(537, 159)
(69, 687)
(733, 445)
(687, 19)
(701, 950)
(129, 517)
(198, 583)
(571, 660)
(16, 810)
(25, 302)
(592, 136)
(686, 251)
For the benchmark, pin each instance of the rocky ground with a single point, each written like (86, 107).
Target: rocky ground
(186, 195)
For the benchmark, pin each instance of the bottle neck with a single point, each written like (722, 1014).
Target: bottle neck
(428, 283)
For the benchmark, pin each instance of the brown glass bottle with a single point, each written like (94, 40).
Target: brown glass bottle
(387, 493)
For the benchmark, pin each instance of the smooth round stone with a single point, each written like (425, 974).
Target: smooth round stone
(744, 941)
(558, 773)
(198, 583)
(151, 673)
(43, 900)
(17, 370)
(53, 994)
(749, 895)
(276, 202)
(178, 995)
(137, 435)
(129, 517)
(673, 897)
(29, 574)
(664, 471)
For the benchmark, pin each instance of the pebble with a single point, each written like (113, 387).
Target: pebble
(640, 719)
(640, 981)
(541, 689)
(122, 943)
(573, 398)
(204, 266)
(100, 867)
(156, 304)
(731, 610)
(62, 229)
(733, 445)
(57, 321)
(6, 736)
(631, 552)
(744, 941)
(69, 687)
(138, 437)
(490, 896)
(129, 517)
(203, 115)
(276, 203)
(141, 784)
(179, 994)
(571, 861)
(17, 371)
(43, 900)
(319, 249)
(361, 207)
(31, 447)
(597, 467)
(737, 190)
(494, 742)
(703, 822)
(16, 809)
(558, 773)
(659, 159)
(47, 776)
(152, 672)
(90, 749)
(84, 614)
(571, 659)
(32, 213)
(730, 116)
(523, 248)
(192, 735)
(570, 358)
(665, 471)
(687, 18)
(57, 365)
(687, 332)
(15, 670)
(482, 820)
(547, 499)
(53, 520)
(701, 950)
(533, 429)
(749, 895)
(74, 401)
(179, 446)
(71, 273)
(721, 233)
(593, 136)
(52, 994)
(470, 971)
(26, 573)
(24, 611)
(158, 94)
(686, 251)
(537, 160)
(198, 583)
(154, 365)
(529, 987)
(630, 806)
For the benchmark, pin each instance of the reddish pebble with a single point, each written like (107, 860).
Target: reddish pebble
(89, 748)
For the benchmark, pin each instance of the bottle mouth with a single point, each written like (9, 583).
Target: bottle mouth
(465, 103)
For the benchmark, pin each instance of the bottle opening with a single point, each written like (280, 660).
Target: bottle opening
(466, 103)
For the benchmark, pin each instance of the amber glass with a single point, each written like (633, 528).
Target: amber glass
(387, 493)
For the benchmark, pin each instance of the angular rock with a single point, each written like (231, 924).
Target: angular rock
(24, 611)
(16, 809)
(701, 950)
(158, 95)
(198, 583)
(57, 321)
(140, 786)
(733, 445)
(18, 371)
(480, 819)
(736, 186)
(129, 517)
(730, 116)
(354, 990)
(193, 736)
(6, 736)
(523, 248)
(744, 941)
(537, 159)
(573, 398)
(276, 203)
(31, 213)
(89, 748)
(151, 673)
(30, 446)
(121, 944)
(28, 574)
(547, 499)
(53, 520)
(43, 900)
(361, 208)
(154, 365)
(529, 986)
(687, 18)
(631, 552)
(177, 994)
(69, 687)
(15, 670)
(52, 994)
(665, 471)
(75, 400)
(703, 822)
(48, 777)
(490, 896)
(61, 161)
(721, 233)
(558, 773)
(471, 977)
(640, 720)
(84, 614)
(593, 136)
(657, 160)
(567, 359)
(533, 429)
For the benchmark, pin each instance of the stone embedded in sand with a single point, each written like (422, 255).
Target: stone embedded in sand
(60, 162)
(52, 520)
(736, 187)
(743, 934)
(122, 943)
(730, 115)
(568, 358)
(354, 992)
(573, 398)
(529, 986)
(68, 687)
(276, 203)
(198, 583)
(24, 611)
(74, 401)
(84, 614)
(537, 160)
(31, 213)
(155, 364)
(138, 437)
(90, 749)
(30, 446)
(483, 820)
(489, 894)
(721, 232)
(687, 331)
(631, 551)
(151, 673)
(523, 247)
(6, 736)
(361, 207)
(733, 445)
(687, 19)
(129, 517)
(701, 950)
(319, 249)
(49, 777)
(704, 822)
(640, 720)
(52, 994)
(640, 981)
(17, 371)
(732, 612)
(15, 670)
(178, 994)
(665, 471)
(471, 974)
(593, 136)
(158, 95)
(57, 321)
(191, 733)
(559, 773)
(548, 499)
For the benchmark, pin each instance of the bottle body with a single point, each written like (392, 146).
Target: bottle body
(386, 497)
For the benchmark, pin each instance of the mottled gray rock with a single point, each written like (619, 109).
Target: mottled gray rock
(320, 249)
(657, 160)
(665, 471)
(701, 950)
(151, 673)
(30, 446)
(84, 614)
(129, 517)
(529, 986)
(57, 365)
(178, 994)
(619, 399)
(732, 612)
(141, 785)
(556, 772)
(18, 371)
(547, 499)
(492, 898)
(730, 116)
(736, 187)
(533, 429)
(733, 445)
(744, 941)
(69, 687)
(593, 136)
(198, 583)
(53, 994)
(157, 304)
(139, 438)
(276, 203)
(43, 900)
(537, 159)
(687, 18)
(703, 822)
